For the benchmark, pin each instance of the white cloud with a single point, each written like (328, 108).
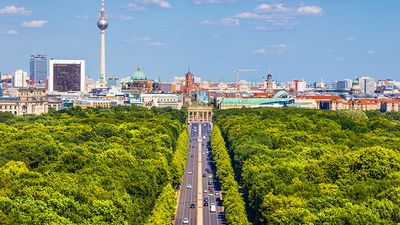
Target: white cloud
(135, 40)
(264, 7)
(199, 2)
(273, 49)
(135, 7)
(310, 10)
(261, 51)
(161, 3)
(84, 17)
(157, 44)
(11, 32)
(229, 22)
(370, 52)
(351, 38)
(248, 15)
(34, 23)
(340, 58)
(14, 10)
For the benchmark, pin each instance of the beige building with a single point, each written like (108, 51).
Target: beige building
(27, 101)
(174, 101)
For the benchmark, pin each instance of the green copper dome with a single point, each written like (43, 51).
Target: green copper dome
(138, 74)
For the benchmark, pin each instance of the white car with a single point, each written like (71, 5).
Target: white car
(205, 191)
(189, 186)
(185, 221)
(189, 172)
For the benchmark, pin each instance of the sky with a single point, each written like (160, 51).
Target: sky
(308, 39)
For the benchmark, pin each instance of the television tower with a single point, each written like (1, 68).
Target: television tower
(102, 24)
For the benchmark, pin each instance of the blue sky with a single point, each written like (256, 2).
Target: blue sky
(309, 39)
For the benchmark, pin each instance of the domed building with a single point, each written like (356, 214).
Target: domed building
(138, 83)
(138, 75)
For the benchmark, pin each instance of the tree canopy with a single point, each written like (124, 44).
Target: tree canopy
(298, 166)
(93, 166)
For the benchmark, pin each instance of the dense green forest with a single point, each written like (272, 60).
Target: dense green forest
(95, 166)
(299, 166)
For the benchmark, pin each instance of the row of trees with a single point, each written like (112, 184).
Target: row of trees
(299, 166)
(233, 202)
(164, 209)
(94, 166)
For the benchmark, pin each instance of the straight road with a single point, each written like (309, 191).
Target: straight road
(200, 188)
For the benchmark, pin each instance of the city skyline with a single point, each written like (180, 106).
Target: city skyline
(314, 40)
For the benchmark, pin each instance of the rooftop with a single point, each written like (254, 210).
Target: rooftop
(255, 101)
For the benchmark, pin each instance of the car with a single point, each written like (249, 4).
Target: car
(205, 199)
(185, 221)
(216, 193)
(204, 175)
(209, 182)
(203, 153)
(189, 186)
(204, 137)
(210, 176)
(212, 204)
(209, 188)
(205, 203)
(205, 191)
(189, 172)
(211, 192)
(192, 206)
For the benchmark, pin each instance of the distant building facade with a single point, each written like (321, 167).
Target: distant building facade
(163, 100)
(367, 85)
(27, 101)
(38, 71)
(67, 75)
(20, 79)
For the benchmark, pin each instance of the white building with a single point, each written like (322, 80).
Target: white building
(367, 85)
(67, 75)
(162, 100)
(21, 78)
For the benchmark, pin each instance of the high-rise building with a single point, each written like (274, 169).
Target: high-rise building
(367, 85)
(38, 71)
(102, 24)
(67, 75)
(20, 78)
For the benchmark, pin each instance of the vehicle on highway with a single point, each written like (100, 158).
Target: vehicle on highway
(192, 206)
(205, 203)
(213, 208)
(210, 176)
(216, 193)
(209, 188)
(209, 182)
(189, 172)
(205, 191)
(185, 221)
(211, 192)
(189, 186)
(204, 175)
(204, 137)
(205, 199)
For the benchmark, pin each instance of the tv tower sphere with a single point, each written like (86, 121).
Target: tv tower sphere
(102, 24)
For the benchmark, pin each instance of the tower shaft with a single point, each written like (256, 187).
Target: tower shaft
(103, 57)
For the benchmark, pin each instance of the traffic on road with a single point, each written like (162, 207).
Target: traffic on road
(202, 192)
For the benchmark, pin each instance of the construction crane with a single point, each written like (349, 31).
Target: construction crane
(238, 71)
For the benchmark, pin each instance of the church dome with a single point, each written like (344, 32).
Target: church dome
(138, 74)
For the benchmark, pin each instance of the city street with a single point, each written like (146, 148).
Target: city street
(200, 188)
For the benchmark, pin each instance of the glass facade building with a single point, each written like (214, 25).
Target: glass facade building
(67, 77)
(38, 71)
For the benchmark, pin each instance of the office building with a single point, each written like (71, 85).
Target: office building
(67, 75)
(38, 71)
(367, 85)
(20, 79)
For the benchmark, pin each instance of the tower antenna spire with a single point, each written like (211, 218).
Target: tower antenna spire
(102, 24)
